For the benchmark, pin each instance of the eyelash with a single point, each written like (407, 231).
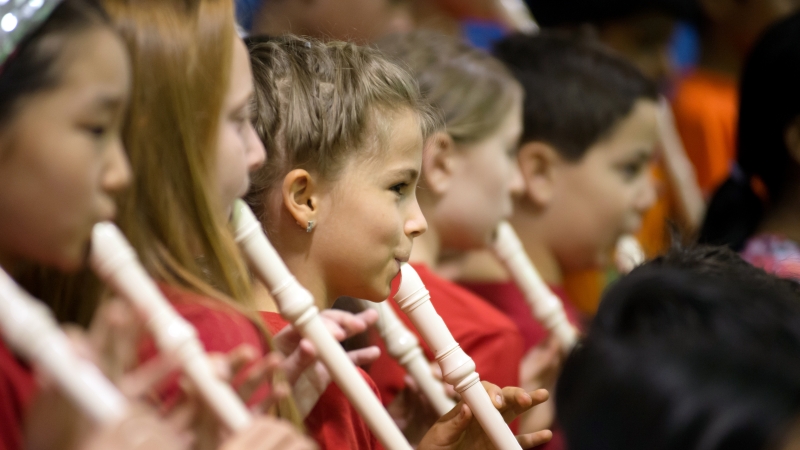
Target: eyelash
(399, 188)
(96, 131)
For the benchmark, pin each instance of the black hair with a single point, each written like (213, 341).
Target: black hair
(693, 350)
(33, 67)
(675, 395)
(769, 104)
(550, 13)
(576, 91)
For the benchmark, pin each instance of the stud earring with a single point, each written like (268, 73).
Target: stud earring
(310, 226)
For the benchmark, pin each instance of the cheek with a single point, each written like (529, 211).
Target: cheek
(51, 197)
(357, 246)
(231, 161)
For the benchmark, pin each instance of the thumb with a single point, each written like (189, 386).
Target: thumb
(448, 429)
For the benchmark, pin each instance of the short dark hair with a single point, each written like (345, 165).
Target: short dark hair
(576, 91)
(33, 67)
(695, 349)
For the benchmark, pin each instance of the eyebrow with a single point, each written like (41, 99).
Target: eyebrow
(108, 102)
(246, 102)
(406, 173)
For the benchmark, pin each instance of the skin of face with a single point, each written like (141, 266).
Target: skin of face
(603, 195)
(368, 216)
(62, 158)
(479, 192)
(239, 150)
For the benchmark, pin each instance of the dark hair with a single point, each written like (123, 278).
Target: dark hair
(769, 103)
(576, 91)
(550, 13)
(695, 349)
(675, 395)
(34, 65)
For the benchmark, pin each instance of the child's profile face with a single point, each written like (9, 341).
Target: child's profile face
(61, 155)
(369, 214)
(239, 150)
(479, 195)
(605, 194)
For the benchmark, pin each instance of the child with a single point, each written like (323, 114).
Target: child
(64, 87)
(697, 349)
(345, 130)
(707, 100)
(191, 146)
(468, 175)
(756, 209)
(589, 134)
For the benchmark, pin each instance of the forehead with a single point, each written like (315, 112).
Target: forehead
(94, 60)
(637, 132)
(241, 84)
(393, 142)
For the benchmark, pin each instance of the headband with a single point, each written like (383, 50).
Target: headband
(18, 19)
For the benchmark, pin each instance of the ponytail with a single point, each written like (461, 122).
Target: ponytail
(733, 214)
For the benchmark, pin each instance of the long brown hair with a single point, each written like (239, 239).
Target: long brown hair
(181, 54)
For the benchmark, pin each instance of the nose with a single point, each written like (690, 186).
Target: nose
(256, 154)
(647, 195)
(415, 223)
(516, 182)
(117, 172)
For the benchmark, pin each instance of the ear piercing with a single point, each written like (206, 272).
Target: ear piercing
(310, 226)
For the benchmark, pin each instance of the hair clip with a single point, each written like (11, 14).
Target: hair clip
(19, 18)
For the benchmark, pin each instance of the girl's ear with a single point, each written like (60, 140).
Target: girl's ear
(438, 163)
(792, 139)
(537, 163)
(299, 192)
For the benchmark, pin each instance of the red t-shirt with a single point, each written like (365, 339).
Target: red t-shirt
(509, 299)
(485, 334)
(17, 387)
(333, 422)
(219, 327)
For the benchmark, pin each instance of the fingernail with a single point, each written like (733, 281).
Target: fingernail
(499, 400)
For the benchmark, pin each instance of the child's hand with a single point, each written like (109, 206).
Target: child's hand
(539, 369)
(268, 433)
(459, 430)
(142, 429)
(301, 354)
(53, 421)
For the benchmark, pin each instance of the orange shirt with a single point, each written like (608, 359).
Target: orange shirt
(706, 108)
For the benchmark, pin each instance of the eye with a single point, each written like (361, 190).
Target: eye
(96, 131)
(631, 170)
(399, 188)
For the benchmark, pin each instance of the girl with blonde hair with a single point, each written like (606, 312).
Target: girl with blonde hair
(344, 128)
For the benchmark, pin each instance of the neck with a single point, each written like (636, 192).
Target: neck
(310, 278)
(532, 232)
(720, 55)
(783, 218)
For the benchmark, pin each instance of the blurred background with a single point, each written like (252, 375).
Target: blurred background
(693, 49)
